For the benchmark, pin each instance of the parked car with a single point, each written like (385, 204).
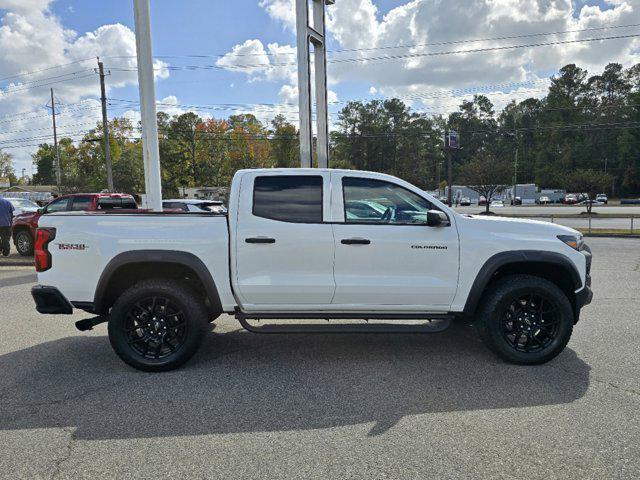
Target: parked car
(24, 225)
(288, 249)
(497, 203)
(590, 202)
(544, 200)
(465, 202)
(570, 199)
(193, 205)
(516, 201)
(602, 197)
(482, 201)
(22, 205)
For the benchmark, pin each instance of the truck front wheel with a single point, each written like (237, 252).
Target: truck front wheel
(525, 319)
(157, 325)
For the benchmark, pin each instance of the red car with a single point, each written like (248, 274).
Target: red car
(24, 226)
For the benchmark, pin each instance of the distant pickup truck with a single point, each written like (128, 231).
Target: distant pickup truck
(24, 225)
(300, 245)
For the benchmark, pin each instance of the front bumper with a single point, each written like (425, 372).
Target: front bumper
(584, 296)
(49, 300)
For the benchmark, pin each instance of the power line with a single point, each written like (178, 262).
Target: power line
(44, 69)
(26, 112)
(17, 90)
(384, 57)
(391, 47)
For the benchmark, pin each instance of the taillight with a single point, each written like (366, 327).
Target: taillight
(41, 250)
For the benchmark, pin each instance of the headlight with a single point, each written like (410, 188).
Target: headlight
(574, 241)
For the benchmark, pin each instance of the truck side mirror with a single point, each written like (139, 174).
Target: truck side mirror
(41, 210)
(436, 218)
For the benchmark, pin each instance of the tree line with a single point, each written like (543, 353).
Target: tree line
(586, 130)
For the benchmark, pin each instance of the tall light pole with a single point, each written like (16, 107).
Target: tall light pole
(312, 34)
(150, 144)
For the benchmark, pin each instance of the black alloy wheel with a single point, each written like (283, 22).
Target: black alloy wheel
(525, 319)
(530, 324)
(155, 327)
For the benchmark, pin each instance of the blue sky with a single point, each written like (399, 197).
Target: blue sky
(44, 34)
(198, 27)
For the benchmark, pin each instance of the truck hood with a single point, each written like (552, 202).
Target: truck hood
(517, 225)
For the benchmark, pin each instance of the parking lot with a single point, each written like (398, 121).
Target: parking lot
(325, 406)
(601, 215)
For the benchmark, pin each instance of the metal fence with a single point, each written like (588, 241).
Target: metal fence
(593, 223)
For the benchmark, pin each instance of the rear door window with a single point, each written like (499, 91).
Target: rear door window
(109, 203)
(288, 198)
(81, 204)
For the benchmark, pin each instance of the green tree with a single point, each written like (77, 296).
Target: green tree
(486, 175)
(590, 182)
(6, 167)
(285, 143)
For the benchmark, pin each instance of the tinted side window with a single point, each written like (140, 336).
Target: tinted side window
(58, 205)
(81, 204)
(290, 198)
(379, 202)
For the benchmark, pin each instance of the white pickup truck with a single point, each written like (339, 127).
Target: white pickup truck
(301, 246)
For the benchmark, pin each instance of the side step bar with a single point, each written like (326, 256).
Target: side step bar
(89, 323)
(433, 323)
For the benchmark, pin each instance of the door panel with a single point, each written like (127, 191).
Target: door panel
(385, 253)
(287, 259)
(401, 265)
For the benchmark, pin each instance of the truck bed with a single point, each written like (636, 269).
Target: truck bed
(85, 243)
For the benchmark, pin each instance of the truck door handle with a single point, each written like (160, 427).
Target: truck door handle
(260, 240)
(355, 241)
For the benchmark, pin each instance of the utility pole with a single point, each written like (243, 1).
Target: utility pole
(55, 143)
(451, 143)
(150, 144)
(449, 177)
(515, 167)
(105, 128)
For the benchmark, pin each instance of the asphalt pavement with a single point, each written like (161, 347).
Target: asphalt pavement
(325, 406)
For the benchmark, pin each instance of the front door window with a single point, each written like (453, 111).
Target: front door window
(368, 201)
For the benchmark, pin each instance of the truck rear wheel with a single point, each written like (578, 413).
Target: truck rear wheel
(525, 320)
(157, 325)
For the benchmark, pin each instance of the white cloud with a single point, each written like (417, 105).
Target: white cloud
(358, 24)
(32, 39)
(275, 63)
(281, 10)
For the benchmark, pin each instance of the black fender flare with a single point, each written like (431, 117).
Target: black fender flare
(156, 257)
(501, 259)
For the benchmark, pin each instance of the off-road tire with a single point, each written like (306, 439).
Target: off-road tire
(194, 317)
(500, 295)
